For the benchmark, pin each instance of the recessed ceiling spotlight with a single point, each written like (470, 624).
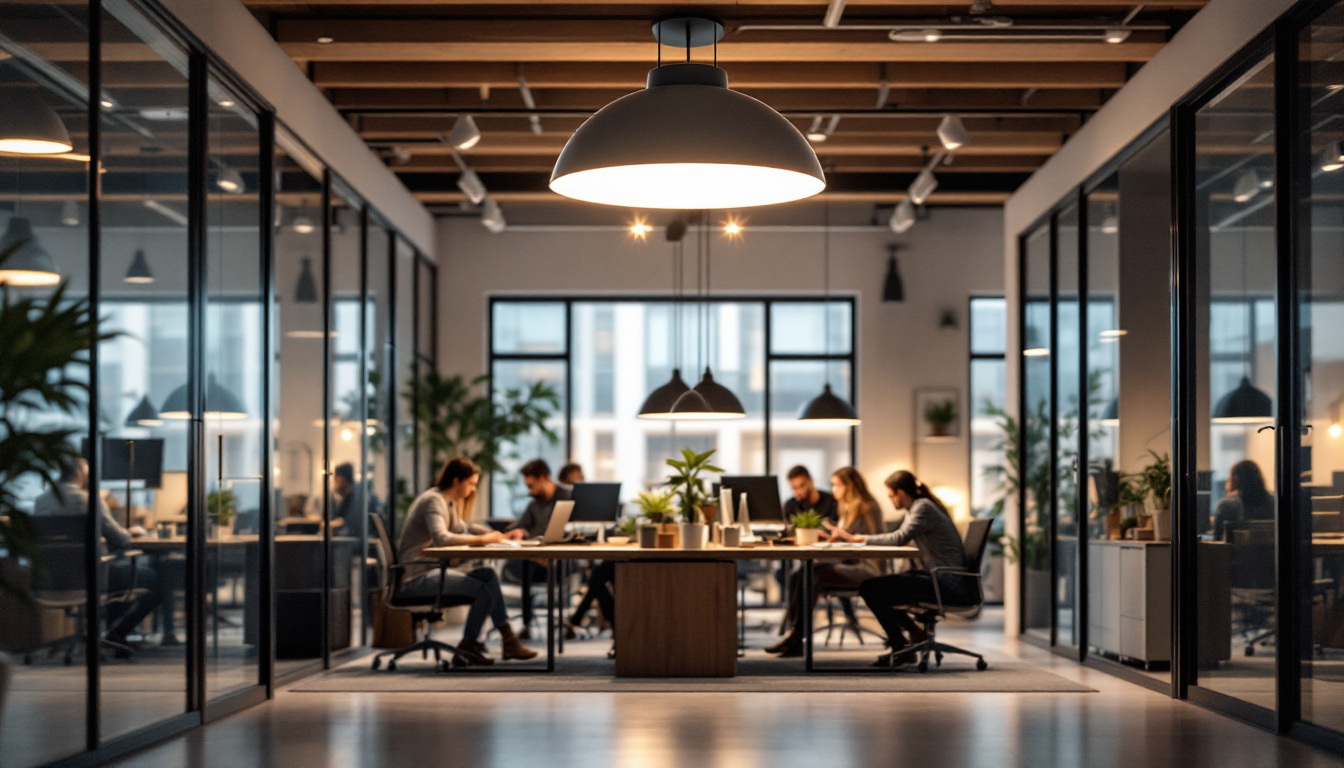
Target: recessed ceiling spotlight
(226, 103)
(324, 39)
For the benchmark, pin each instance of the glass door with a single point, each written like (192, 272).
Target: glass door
(1035, 464)
(1067, 420)
(235, 371)
(1235, 373)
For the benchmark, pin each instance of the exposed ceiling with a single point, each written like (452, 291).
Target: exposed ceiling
(1022, 74)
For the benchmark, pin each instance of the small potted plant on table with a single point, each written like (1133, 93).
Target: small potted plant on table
(657, 508)
(806, 527)
(688, 484)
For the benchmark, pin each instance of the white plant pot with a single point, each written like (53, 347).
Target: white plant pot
(806, 537)
(693, 535)
(1161, 523)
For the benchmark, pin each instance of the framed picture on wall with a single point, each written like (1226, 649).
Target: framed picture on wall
(937, 415)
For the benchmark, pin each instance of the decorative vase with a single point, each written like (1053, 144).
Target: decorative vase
(693, 535)
(732, 536)
(806, 537)
(1161, 522)
(648, 536)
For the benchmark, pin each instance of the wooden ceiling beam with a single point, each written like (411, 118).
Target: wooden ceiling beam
(1087, 5)
(843, 164)
(745, 75)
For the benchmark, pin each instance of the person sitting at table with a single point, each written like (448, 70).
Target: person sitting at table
(545, 492)
(439, 518)
(929, 526)
(859, 514)
(806, 497)
(1246, 499)
(570, 475)
(71, 498)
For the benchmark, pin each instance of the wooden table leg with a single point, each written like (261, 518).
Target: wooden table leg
(677, 619)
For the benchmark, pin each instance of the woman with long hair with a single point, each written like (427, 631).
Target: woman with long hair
(858, 514)
(440, 517)
(1247, 498)
(928, 526)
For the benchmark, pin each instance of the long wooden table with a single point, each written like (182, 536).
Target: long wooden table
(677, 606)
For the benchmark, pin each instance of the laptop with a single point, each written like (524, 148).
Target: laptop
(555, 529)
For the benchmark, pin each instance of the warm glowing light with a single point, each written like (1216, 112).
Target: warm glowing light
(1335, 431)
(640, 229)
(27, 277)
(34, 146)
(326, 40)
(816, 137)
(687, 185)
(1036, 352)
(1113, 334)
(732, 229)
(347, 434)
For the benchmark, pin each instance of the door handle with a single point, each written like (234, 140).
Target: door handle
(219, 475)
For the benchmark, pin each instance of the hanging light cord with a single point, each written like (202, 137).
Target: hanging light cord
(709, 314)
(699, 278)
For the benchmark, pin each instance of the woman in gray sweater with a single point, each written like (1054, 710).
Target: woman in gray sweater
(439, 518)
(928, 526)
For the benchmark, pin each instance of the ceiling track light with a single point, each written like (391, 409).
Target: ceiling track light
(230, 181)
(1332, 157)
(303, 225)
(1247, 186)
(471, 186)
(492, 217)
(952, 133)
(70, 213)
(903, 218)
(464, 134)
(686, 141)
(923, 186)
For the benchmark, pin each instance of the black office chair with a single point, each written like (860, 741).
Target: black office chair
(1253, 580)
(974, 544)
(424, 609)
(60, 581)
(850, 623)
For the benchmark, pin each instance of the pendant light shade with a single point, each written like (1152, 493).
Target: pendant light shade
(144, 415)
(1243, 405)
(220, 403)
(139, 272)
(658, 405)
(709, 401)
(29, 263)
(894, 288)
(687, 142)
(691, 406)
(28, 126)
(828, 408)
(305, 291)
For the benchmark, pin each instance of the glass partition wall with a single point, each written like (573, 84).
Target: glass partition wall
(201, 249)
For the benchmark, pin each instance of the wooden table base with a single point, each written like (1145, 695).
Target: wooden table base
(676, 619)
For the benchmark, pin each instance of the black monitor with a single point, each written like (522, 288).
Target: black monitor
(762, 496)
(117, 460)
(596, 503)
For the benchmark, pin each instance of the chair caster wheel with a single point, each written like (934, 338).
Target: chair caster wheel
(981, 665)
(923, 666)
(391, 666)
(938, 659)
(445, 666)
(377, 663)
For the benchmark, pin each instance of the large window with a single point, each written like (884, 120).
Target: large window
(603, 357)
(989, 340)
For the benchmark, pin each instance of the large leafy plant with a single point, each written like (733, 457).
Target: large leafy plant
(688, 481)
(457, 417)
(43, 372)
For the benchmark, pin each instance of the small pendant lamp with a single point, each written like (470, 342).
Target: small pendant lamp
(144, 415)
(827, 407)
(139, 272)
(28, 264)
(220, 403)
(1245, 404)
(658, 405)
(709, 400)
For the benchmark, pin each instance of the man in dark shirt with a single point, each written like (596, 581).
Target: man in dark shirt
(806, 497)
(544, 492)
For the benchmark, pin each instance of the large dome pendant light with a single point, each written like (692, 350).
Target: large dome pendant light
(709, 400)
(23, 260)
(827, 408)
(687, 141)
(1246, 404)
(658, 405)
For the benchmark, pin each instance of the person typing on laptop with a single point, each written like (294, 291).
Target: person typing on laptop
(545, 492)
(439, 517)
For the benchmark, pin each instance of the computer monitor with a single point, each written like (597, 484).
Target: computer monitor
(117, 462)
(762, 495)
(596, 502)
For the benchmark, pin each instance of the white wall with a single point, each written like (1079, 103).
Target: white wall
(944, 261)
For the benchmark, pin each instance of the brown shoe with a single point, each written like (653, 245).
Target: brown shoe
(513, 648)
(471, 653)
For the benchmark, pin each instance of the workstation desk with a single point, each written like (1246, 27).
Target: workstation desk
(676, 608)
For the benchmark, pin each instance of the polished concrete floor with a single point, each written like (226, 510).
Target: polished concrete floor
(1120, 724)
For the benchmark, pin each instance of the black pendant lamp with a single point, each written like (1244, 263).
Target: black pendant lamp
(305, 291)
(220, 403)
(658, 405)
(709, 400)
(893, 289)
(144, 415)
(827, 407)
(1243, 405)
(139, 272)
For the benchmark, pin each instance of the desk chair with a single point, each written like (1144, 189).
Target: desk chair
(846, 598)
(424, 609)
(974, 543)
(1253, 579)
(60, 581)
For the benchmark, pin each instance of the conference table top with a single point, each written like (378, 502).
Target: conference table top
(712, 552)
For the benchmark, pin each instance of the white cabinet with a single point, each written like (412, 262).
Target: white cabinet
(1129, 599)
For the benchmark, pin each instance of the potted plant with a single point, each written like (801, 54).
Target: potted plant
(657, 508)
(1155, 478)
(940, 416)
(687, 482)
(806, 527)
(43, 374)
(221, 506)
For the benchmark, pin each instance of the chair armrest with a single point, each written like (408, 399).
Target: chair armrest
(934, 573)
(403, 566)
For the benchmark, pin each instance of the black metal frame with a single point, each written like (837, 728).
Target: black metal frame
(971, 358)
(768, 301)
